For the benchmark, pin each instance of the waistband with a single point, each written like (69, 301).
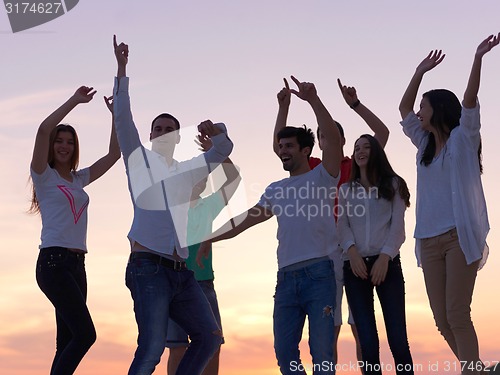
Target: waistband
(169, 263)
(62, 250)
(303, 264)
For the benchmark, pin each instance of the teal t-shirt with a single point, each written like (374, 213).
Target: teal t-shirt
(200, 220)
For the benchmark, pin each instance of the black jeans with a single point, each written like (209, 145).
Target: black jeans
(60, 274)
(391, 294)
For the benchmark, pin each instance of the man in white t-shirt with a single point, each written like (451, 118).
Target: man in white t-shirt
(303, 205)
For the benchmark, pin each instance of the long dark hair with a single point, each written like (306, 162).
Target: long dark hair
(446, 113)
(34, 206)
(380, 173)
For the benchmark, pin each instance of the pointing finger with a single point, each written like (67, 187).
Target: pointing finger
(297, 82)
(286, 84)
(340, 84)
(114, 41)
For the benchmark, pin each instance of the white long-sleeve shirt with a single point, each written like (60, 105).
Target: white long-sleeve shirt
(373, 224)
(469, 204)
(160, 193)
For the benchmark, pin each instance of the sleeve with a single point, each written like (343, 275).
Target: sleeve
(346, 237)
(470, 124)
(396, 235)
(200, 166)
(265, 200)
(83, 176)
(222, 147)
(126, 131)
(413, 130)
(327, 178)
(41, 178)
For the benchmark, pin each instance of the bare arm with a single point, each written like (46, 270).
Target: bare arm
(255, 215)
(284, 97)
(433, 59)
(39, 160)
(332, 153)
(470, 95)
(102, 165)
(381, 132)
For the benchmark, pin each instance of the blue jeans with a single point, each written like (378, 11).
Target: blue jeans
(60, 274)
(306, 291)
(176, 337)
(391, 294)
(160, 292)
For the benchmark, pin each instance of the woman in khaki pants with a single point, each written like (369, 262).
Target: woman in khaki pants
(451, 216)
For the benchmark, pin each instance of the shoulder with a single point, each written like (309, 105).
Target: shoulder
(47, 174)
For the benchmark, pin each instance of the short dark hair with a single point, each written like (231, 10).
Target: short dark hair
(341, 129)
(304, 135)
(167, 116)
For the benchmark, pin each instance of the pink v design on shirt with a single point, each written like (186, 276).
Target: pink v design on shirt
(67, 192)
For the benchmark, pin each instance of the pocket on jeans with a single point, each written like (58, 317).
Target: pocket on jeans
(147, 268)
(52, 260)
(320, 271)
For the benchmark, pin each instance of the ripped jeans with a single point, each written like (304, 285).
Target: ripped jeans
(305, 291)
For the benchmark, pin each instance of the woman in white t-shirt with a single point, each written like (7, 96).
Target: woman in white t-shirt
(59, 197)
(451, 216)
(371, 231)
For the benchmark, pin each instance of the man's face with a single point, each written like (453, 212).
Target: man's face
(290, 154)
(164, 126)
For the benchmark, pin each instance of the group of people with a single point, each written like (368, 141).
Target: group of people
(346, 230)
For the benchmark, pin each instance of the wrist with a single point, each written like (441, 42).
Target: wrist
(355, 104)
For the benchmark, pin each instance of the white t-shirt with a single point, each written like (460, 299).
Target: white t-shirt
(303, 206)
(63, 207)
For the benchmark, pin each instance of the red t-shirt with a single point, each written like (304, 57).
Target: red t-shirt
(345, 173)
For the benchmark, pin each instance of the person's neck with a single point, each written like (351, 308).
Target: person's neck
(301, 170)
(363, 178)
(64, 171)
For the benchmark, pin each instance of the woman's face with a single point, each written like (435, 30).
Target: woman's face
(425, 114)
(64, 147)
(362, 149)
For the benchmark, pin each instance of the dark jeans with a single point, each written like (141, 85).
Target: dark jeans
(60, 274)
(159, 292)
(391, 294)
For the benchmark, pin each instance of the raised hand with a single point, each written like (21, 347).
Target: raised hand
(487, 44)
(84, 94)
(121, 52)
(307, 90)
(204, 142)
(349, 93)
(284, 95)
(208, 129)
(109, 103)
(432, 60)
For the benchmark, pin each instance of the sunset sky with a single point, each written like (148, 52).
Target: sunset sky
(224, 61)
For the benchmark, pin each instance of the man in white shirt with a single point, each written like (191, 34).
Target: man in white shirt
(157, 276)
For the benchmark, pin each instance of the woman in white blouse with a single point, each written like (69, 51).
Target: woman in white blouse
(371, 230)
(451, 216)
